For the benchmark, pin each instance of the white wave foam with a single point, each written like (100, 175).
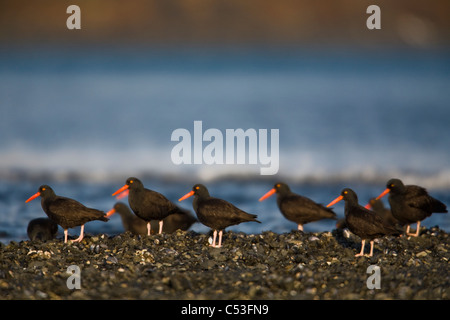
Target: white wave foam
(101, 165)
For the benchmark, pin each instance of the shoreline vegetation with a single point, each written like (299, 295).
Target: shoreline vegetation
(266, 266)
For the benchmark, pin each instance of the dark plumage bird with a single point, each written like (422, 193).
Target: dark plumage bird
(216, 213)
(182, 220)
(42, 229)
(148, 204)
(341, 224)
(363, 222)
(130, 221)
(411, 204)
(296, 208)
(136, 225)
(66, 212)
(378, 207)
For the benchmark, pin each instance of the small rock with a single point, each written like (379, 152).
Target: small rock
(111, 260)
(421, 254)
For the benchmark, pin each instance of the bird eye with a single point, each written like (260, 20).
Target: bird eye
(43, 189)
(345, 192)
(131, 181)
(196, 188)
(278, 185)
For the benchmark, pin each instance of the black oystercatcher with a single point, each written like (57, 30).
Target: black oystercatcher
(216, 213)
(182, 220)
(341, 224)
(296, 208)
(148, 204)
(42, 229)
(363, 222)
(136, 225)
(411, 204)
(130, 221)
(66, 212)
(378, 207)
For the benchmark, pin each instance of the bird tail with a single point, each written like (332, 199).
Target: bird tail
(253, 218)
(438, 207)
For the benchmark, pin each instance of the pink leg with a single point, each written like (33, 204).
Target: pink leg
(160, 226)
(149, 228)
(300, 227)
(371, 248)
(65, 235)
(416, 234)
(363, 243)
(81, 235)
(213, 244)
(220, 239)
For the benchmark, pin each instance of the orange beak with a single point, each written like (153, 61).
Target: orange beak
(110, 212)
(268, 194)
(123, 194)
(335, 201)
(125, 187)
(187, 195)
(34, 196)
(385, 192)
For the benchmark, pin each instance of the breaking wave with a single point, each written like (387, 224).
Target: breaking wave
(104, 166)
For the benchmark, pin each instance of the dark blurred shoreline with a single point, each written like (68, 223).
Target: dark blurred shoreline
(269, 266)
(415, 23)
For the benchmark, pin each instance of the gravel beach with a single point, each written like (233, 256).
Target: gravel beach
(266, 266)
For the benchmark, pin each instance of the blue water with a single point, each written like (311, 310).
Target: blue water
(85, 120)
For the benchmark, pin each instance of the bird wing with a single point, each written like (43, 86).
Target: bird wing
(71, 211)
(293, 204)
(418, 197)
(160, 200)
(222, 212)
(65, 206)
(364, 221)
(219, 208)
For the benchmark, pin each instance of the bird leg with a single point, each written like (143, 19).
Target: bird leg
(160, 226)
(416, 234)
(300, 227)
(220, 239)
(213, 244)
(149, 228)
(81, 235)
(371, 248)
(361, 253)
(65, 235)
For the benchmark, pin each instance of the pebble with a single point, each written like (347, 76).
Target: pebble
(293, 265)
(421, 254)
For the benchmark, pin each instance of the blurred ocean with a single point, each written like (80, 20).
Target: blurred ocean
(83, 121)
